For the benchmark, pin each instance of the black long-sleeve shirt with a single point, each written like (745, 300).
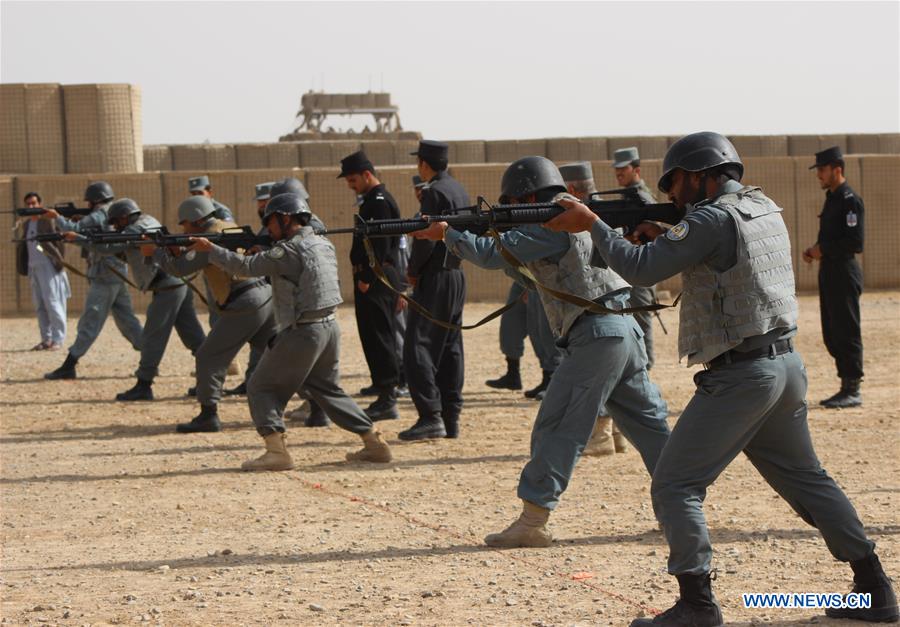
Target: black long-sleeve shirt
(377, 204)
(443, 195)
(841, 224)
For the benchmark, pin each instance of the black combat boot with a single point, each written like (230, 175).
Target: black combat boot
(545, 381)
(849, 395)
(240, 390)
(66, 371)
(697, 606)
(869, 578)
(512, 380)
(317, 417)
(426, 428)
(206, 422)
(142, 391)
(369, 390)
(451, 424)
(384, 407)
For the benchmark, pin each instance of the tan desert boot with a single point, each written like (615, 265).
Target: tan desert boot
(601, 442)
(234, 368)
(276, 456)
(619, 440)
(529, 530)
(375, 449)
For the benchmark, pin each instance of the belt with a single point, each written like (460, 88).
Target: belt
(235, 293)
(771, 351)
(301, 321)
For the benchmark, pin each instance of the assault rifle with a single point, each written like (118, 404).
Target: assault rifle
(624, 213)
(65, 209)
(232, 239)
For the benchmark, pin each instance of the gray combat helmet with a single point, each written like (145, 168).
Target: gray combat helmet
(530, 175)
(99, 191)
(195, 208)
(286, 204)
(289, 185)
(697, 152)
(122, 208)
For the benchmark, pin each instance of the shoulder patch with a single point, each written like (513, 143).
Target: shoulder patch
(678, 232)
(276, 252)
(852, 219)
(848, 194)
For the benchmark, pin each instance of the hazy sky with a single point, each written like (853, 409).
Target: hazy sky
(234, 71)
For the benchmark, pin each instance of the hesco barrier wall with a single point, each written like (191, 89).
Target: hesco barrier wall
(103, 128)
(324, 153)
(32, 130)
(786, 179)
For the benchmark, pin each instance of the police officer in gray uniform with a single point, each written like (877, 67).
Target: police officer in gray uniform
(606, 439)
(200, 186)
(627, 162)
(738, 318)
(244, 308)
(292, 185)
(604, 361)
(526, 319)
(263, 191)
(107, 292)
(513, 330)
(302, 268)
(172, 304)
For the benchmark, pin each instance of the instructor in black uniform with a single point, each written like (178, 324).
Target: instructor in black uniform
(432, 354)
(375, 303)
(840, 277)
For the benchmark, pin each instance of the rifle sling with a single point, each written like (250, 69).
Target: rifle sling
(379, 273)
(187, 281)
(566, 297)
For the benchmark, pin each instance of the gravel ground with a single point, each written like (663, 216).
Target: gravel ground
(109, 517)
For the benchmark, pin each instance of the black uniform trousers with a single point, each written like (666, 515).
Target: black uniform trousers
(840, 285)
(433, 355)
(376, 322)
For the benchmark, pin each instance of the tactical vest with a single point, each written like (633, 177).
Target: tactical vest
(99, 265)
(721, 310)
(573, 274)
(314, 286)
(219, 282)
(144, 269)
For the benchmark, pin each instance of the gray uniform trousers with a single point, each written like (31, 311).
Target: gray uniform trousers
(758, 407)
(603, 362)
(305, 356)
(528, 319)
(541, 335)
(514, 324)
(105, 296)
(167, 309)
(644, 296)
(248, 319)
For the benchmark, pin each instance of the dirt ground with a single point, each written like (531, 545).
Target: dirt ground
(109, 517)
